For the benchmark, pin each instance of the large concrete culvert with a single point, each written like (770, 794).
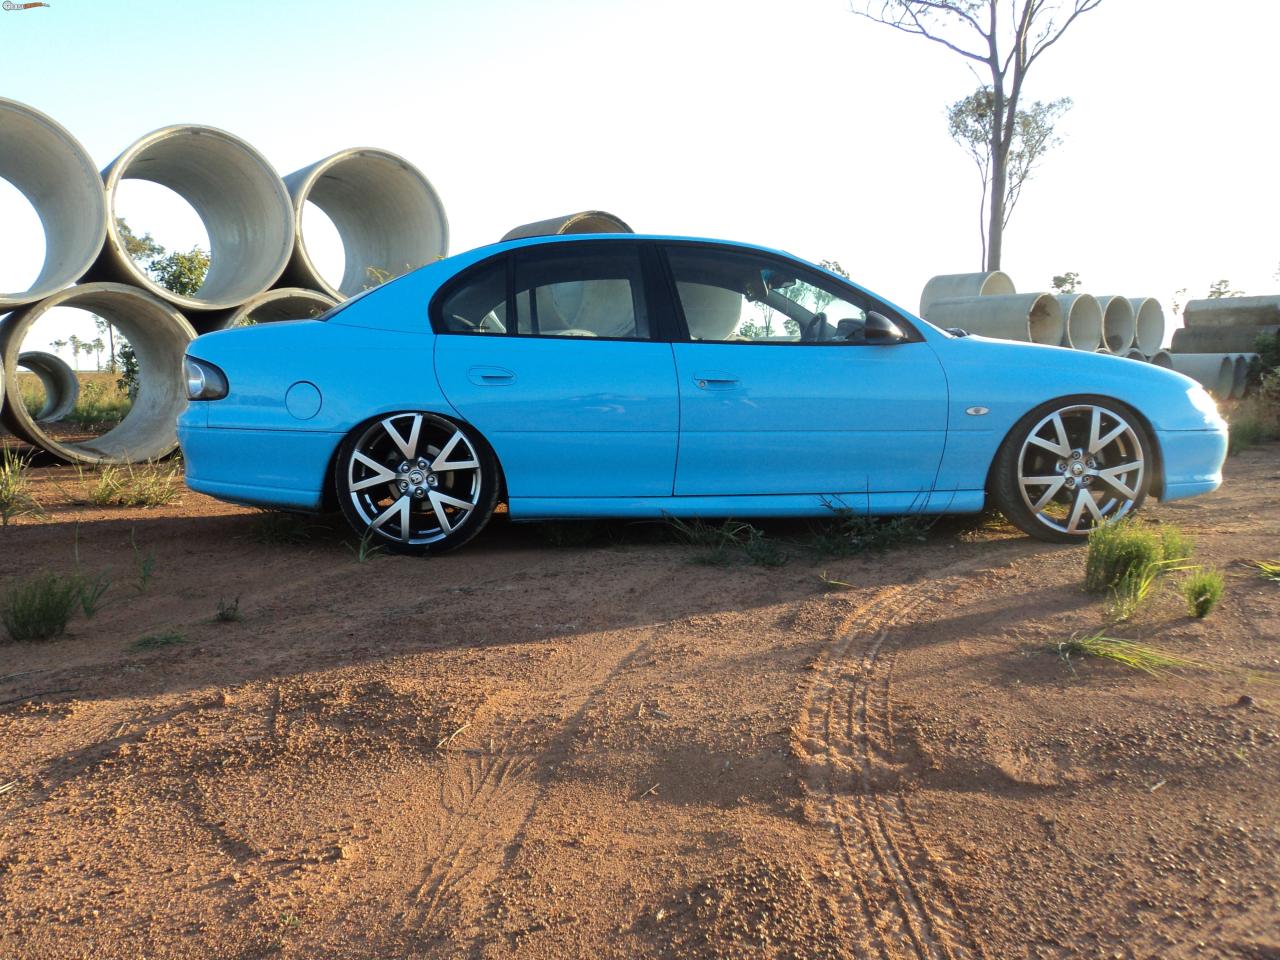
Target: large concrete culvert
(1083, 321)
(53, 171)
(239, 198)
(954, 286)
(1118, 324)
(1033, 317)
(61, 385)
(159, 336)
(1148, 324)
(587, 221)
(389, 216)
(1215, 371)
(270, 306)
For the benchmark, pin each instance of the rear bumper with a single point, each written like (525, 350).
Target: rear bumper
(263, 468)
(1192, 461)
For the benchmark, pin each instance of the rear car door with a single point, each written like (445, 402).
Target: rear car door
(548, 351)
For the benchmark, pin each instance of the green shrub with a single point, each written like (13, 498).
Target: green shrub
(1202, 590)
(15, 488)
(39, 607)
(763, 552)
(1118, 551)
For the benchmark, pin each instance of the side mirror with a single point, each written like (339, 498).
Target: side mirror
(880, 329)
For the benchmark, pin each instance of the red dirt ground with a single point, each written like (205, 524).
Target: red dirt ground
(609, 751)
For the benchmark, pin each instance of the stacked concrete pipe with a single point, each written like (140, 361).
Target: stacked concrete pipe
(1118, 324)
(587, 221)
(239, 198)
(1163, 358)
(1216, 371)
(1031, 317)
(1083, 321)
(61, 385)
(956, 286)
(1148, 329)
(1220, 339)
(389, 216)
(1233, 312)
(53, 171)
(159, 335)
(271, 306)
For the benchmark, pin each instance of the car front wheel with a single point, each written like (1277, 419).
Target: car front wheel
(415, 482)
(1072, 465)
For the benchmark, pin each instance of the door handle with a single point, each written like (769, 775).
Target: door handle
(715, 380)
(491, 376)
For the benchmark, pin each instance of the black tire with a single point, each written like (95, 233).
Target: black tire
(417, 510)
(1007, 490)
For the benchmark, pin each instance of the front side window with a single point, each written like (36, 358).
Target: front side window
(738, 296)
(568, 292)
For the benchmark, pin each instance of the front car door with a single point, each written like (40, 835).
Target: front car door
(781, 394)
(548, 351)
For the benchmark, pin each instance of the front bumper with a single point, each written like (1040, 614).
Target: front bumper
(1192, 461)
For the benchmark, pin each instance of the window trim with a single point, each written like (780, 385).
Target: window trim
(660, 327)
(681, 330)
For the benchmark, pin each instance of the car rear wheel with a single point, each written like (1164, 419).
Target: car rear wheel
(1072, 465)
(415, 482)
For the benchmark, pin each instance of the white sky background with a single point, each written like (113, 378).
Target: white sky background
(792, 124)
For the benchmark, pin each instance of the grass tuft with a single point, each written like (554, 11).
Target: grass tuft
(90, 592)
(279, 528)
(700, 533)
(156, 641)
(1202, 590)
(1269, 569)
(1138, 656)
(849, 533)
(150, 486)
(39, 607)
(763, 552)
(228, 612)
(15, 488)
(367, 548)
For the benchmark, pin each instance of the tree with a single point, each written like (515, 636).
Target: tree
(970, 121)
(98, 346)
(1007, 39)
(141, 249)
(76, 346)
(1067, 282)
(1223, 289)
(57, 344)
(183, 273)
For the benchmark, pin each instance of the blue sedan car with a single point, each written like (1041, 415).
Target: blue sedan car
(633, 376)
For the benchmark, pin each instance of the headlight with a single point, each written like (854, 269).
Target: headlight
(1203, 402)
(204, 380)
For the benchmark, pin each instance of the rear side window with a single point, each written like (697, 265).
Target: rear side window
(568, 291)
(479, 304)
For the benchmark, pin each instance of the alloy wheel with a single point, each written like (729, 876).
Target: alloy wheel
(1079, 467)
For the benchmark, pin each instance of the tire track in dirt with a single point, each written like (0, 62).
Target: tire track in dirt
(846, 728)
(488, 797)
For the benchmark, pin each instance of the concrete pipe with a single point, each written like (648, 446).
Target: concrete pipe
(239, 197)
(1148, 324)
(1133, 353)
(1240, 375)
(1162, 358)
(1215, 370)
(159, 336)
(1233, 312)
(588, 221)
(1083, 321)
(60, 180)
(270, 306)
(954, 286)
(389, 216)
(1242, 339)
(1118, 324)
(1034, 317)
(61, 385)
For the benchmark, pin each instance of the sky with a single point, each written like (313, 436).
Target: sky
(791, 124)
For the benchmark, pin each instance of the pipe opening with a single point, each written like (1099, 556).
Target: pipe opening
(1117, 324)
(160, 221)
(1045, 323)
(272, 306)
(238, 197)
(1148, 324)
(55, 390)
(24, 239)
(324, 244)
(58, 179)
(158, 335)
(388, 215)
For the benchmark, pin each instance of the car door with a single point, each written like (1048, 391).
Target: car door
(780, 393)
(548, 352)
